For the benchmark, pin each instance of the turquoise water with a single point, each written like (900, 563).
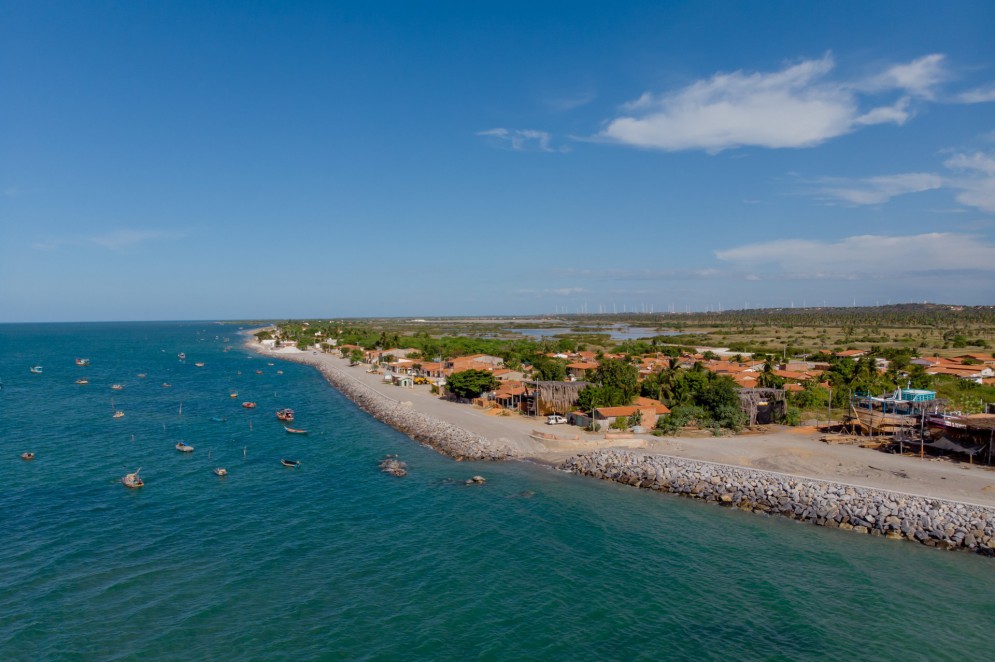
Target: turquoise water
(336, 560)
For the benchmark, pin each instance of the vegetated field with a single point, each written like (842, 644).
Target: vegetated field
(929, 329)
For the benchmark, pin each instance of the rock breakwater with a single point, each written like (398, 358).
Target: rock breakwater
(933, 522)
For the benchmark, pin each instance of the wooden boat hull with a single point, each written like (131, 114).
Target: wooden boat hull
(293, 464)
(876, 422)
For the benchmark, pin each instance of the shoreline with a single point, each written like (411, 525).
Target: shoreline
(939, 514)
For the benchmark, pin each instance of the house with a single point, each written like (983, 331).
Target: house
(851, 354)
(986, 359)
(581, 369)
(605, 416)
(974, 373)
(506, 374)
(510, 395)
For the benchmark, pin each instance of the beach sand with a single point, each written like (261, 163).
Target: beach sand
(793, 451)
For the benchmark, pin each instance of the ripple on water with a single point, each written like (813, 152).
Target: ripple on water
(336, 559)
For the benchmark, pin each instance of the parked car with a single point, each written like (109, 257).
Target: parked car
(555, 419)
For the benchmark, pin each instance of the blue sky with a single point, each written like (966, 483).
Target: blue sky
(170, 160)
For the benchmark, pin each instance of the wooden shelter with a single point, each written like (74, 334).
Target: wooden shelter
(544, 398)
(763, 405)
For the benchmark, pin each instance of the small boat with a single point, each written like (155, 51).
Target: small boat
(36, 369)
(82, 361)
(118, 414)
(133, 479)
(27, 456)
(181, 356)
(233, 394)
(199, 364)
(393, 466)
(166, 385)
(279, 372)
(259, 372)
(249, 405)
(220, 472)
(184, 448)
(269, 364)
(218, 419)
(294, 430)
(141, 375)
(117, 387)
(82, 380)
(293, 464)
(286, 415)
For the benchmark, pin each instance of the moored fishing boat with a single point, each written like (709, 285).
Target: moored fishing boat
(133, 479)
(220, 472)
(117, 387)
(82, 381)
(249, 405)
(233, 394)
(37, 369)
(199, 364)
(82, 361)
(183, 447)
(887, 414)
(294, 430)
(27, 456)
(285, 415)
(181, 356)
(293, 464)
(218, 419)
(118, 414)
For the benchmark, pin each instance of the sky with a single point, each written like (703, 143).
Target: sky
(235, 160)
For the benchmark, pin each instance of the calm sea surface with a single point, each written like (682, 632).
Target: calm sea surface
(336, 560)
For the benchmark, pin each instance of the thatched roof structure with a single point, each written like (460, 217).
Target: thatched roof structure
(776, 398)
(554, 397)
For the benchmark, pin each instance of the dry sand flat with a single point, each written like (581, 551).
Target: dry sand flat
(790, 452)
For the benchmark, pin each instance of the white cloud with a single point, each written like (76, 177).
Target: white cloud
(918, 78)
(866, 255)
(977, 95)
(976, 181)
(878, 190)
(897, 113)
(120, 239)
(565, 103)
(521, 140)
(798, 106)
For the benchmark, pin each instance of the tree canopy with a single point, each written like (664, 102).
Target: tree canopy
(471, 383)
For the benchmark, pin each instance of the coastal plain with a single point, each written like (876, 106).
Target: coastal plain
(798, 452)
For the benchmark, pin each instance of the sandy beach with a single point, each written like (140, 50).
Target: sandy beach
(797, 452)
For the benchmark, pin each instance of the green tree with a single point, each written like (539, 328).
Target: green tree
(471, 383)
(355, 356)
(618, 374)
(549, 369)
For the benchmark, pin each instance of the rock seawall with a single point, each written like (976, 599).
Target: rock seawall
(932, 522)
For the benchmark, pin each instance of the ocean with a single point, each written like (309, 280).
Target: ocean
(336, 560)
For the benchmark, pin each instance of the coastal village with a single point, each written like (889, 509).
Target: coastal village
(766, 391)
(472, 405)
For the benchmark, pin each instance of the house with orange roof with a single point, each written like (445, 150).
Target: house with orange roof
(986, 359)
(974, 373)
(605, 416)
(580, 369)
(851, 354)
